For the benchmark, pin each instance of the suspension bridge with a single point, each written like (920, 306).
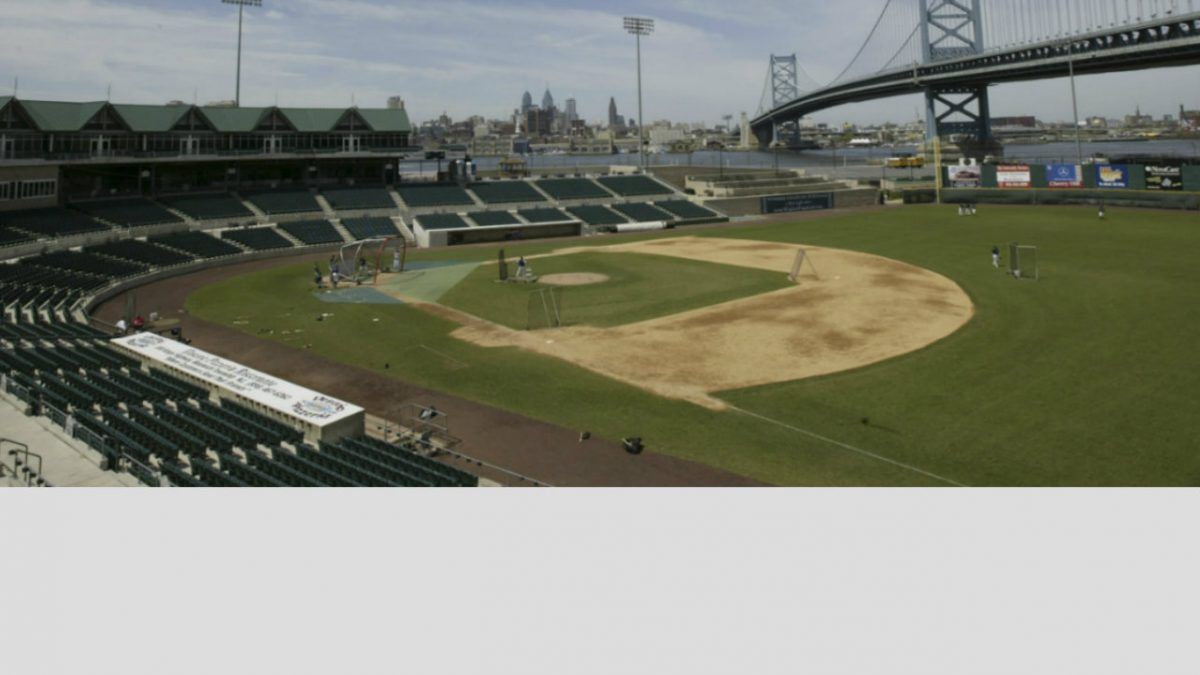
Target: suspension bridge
(953, 50)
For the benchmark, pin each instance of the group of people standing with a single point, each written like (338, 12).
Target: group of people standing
(335, 272)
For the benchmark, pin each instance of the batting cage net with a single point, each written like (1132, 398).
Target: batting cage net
(544, 309)
(362, 261)
(1023, 261)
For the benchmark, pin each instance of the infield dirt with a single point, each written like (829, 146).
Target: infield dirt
(847, 310)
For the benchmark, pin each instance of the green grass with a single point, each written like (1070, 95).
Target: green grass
(640, 287)
(1089, 377)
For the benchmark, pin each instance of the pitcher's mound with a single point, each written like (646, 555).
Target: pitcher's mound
(573, 279)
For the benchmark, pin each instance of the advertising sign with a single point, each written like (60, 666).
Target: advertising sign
(1013, 176)
(965, 176)
(1064, 176)
(1161, 177)
(1112, 176)
(816, 201)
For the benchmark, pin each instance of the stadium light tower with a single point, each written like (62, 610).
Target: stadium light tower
(237, 98)
(639, 27)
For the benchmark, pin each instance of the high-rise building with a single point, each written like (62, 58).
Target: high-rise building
(612, 113)
(526, 103)
(547, 100)
(395, 103)
(572, 112)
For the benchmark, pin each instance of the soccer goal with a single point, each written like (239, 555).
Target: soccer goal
(362, 261)
(802, 256)
(1023, 261)
(544, 309)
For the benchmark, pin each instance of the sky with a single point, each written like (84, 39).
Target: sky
(705, 59)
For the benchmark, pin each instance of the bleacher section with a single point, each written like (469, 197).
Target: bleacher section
(258, 238)
(54, 222)
(506, 192)
(10, 237)
(87, 263)
(350, 199)
(598, 216)
(313, 232)
(209, 207)
(423, 196)
(441, 221)
(198, 244)
(634, 186)
(573, 188)
(370, 228)
(278, 202)
(493, 218)
(686, 210)
(544, 215)
(133, 212)
(643, 213)
(141, 252)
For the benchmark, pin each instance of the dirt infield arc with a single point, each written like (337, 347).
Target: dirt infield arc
(848, 310)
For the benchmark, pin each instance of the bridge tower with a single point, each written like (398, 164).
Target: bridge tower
(785, 87)
(952, 29)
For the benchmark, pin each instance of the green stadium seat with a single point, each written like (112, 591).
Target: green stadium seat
(573, 188)
(634, 186)
(220, 206)
(643, 213)
(313, 232)
(544, 216)
(506, 192)
(258, 238)
(441, 221)
(493, 218)
(598, 216)
(429, 195)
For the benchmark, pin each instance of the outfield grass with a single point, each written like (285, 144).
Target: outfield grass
(639, 287)
(1088, 377)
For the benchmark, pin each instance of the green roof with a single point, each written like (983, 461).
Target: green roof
(59, 116)
(4, 100)
(313, 119)
(151, 118)
(234, 120)
(386, 120)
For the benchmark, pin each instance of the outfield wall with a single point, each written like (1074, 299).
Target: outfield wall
(752, 206)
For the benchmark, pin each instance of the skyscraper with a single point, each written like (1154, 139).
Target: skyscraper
(547, 100)
(572, 112)
(526, 103)
(612, 113)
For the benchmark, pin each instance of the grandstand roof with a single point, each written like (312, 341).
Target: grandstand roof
(385, 120)
(151, 118)
(4, 100)
(313, 119)
(61, 116)
(234, 120)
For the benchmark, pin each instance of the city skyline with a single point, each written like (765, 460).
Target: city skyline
(705, 60)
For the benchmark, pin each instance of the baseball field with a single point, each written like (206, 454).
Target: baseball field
(898, 357)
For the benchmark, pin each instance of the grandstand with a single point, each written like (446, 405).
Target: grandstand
(10, 237)
(88, 264)
(136, 212)
(634, 186)
(441, 221)
(429, 195)
(370, 228)
(573, 188)
(544, 215)
(507, 192)
(258, 238)
(358, 199)
(209, 207)
(685, 210)
(140, 252)
(598, 216)
(50, 222)
(313, 232)
(493, 218)
(282, 202)
(198, 244)
(643, 213)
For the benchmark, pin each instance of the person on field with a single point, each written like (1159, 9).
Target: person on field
(334, 277)
(522, 267)
(996, 257)
(1102, 212)
(122, 327)
(317, 278)
(139, 323)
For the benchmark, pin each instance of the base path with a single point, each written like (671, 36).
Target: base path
(847, 310)
(544, 451)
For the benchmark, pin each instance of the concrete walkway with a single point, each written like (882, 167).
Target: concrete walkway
(65, 461)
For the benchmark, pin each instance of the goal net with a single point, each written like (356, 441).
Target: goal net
(364, 260)
(802, 257)
(1023, 261)
(544, 309)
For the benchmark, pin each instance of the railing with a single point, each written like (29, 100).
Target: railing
(22, 463)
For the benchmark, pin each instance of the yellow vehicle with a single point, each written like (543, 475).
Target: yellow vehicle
(906, 161)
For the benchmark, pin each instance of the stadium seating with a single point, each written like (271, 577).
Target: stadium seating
(313, 232)
(506, 192)
(573, 188)
(598, 216)
(442, 221)
(140, 251)
(421, 196)
(348, 199)
(53, 222)
(544, 215)
(686, 210)
(370, 228)
(493, 218)
(278, 202)
(135, 212)
(258, 238)
(87, 263)
(643, 213)
(10, 237)
(209, 207)
(198, 244)
(634, 186)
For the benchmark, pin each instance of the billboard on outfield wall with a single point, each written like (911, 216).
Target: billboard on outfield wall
(1112, 176)
(965, 176)
(1064, 176)
(1164, 177)
(1013, 176)
(815, 201)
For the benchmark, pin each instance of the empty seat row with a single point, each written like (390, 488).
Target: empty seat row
(198, 244)
(140, 252)
(258, 238)
(210, 206)
(573, 188)
(51, 222)
(643, 213)
(441, 221)
(284, 201)
(359, 198)
(634, 186)
(544, 215)
(686, 210)
(598, 216)
(129, 212)
(370, 228)
(506, 192)
(313, 232)
(493, 218)
(420, 196)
